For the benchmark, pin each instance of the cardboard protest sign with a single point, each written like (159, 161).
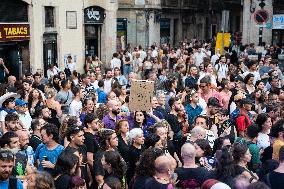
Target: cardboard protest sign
(141, 93)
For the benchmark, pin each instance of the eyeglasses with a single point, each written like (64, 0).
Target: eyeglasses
(202, 86)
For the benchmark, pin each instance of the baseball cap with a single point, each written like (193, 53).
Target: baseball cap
(20, 102)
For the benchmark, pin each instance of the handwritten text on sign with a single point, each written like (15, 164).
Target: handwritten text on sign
(14, 32)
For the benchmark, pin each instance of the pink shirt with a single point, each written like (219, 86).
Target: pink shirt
(212, 93)
(225, 98)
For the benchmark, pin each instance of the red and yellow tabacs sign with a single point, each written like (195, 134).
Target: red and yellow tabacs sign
(14, 32)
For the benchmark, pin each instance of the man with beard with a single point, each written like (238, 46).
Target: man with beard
(12, 122)
(108, 81)
(175, 106)
(47, 153)
(168, 146)
(76, 137)
(6, 168)
(25, 149)
(45, 114)
(10, 141)
(112, 117)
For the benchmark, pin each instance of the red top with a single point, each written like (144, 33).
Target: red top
(243, 121)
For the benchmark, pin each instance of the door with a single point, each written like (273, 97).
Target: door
(91, 40)
(11, 56)
(49, 50)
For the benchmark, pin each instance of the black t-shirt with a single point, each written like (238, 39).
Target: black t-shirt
(122, 148)
(133, 157)
(138, 182)
(276, 180)
(152, 183)
(90, 142)
(63, 182)
(191, 177)
(34, 142)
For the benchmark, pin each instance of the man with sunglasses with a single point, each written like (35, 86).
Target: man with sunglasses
(206, 91)
(6, 168)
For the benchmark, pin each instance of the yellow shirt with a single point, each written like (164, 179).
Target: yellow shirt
(276, 147)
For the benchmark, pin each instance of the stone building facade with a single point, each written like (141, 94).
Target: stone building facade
(170, 21)
(251, 25)
(138, 22)
(59, 28)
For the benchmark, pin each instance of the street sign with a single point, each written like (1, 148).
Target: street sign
(278, 21)
(261, 17)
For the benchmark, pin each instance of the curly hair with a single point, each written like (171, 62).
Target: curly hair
(118, 165)
(66, 122)
(104, 137)
(145, 165)
(30, 98)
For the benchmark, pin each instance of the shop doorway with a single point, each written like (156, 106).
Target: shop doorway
(92, 33)
(49, 50)
(16, 57)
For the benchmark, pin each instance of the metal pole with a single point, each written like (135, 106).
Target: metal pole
(260, 36)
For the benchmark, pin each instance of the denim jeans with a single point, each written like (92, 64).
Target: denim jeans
(126, 70)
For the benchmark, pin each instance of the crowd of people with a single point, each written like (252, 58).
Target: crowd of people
(216, 121)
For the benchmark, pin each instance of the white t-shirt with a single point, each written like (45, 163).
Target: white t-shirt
(107, 86)
(198, 58)
(71, 66)
(222, 70)
(26, 120)
(75, 108)
(214, 58)
(3, 114)
(115, 62)
(263, 140)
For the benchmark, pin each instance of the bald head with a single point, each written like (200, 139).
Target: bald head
(114, 106)
(23, 138)
(11, 79)
(162, 164)
(188, 151)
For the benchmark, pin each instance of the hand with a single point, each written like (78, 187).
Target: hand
(47, 164)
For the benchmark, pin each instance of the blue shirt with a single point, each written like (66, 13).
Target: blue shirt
(51, 155)
(102, 97)
(191, 82)
(192, 113)
(5, 184)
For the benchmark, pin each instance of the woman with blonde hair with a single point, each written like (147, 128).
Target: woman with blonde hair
(52, 104)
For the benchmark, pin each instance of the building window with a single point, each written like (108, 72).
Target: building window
(49, 17)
